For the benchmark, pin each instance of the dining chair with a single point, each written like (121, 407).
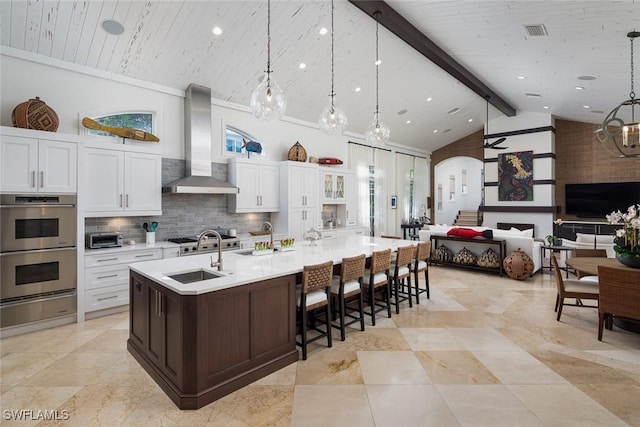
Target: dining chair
(583, 252)
(572, 289)
(400, 289)
(346, 286)
(376, 277)
(313, 293)
(619, 295)
(420, 264)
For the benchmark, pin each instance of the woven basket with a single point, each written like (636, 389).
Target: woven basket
(297, 153)
(35, 114)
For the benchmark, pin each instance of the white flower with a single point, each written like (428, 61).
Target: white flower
(620, 232)
(558, 221)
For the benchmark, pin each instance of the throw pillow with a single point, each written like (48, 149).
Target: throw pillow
(588, 238)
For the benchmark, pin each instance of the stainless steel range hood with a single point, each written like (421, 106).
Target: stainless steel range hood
(197, 137)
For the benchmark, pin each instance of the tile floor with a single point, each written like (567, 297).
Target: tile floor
(484, 351)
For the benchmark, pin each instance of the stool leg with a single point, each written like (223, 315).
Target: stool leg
(389, 299)
(396, 289)
(342, 310)
(328, 309)
(416, 277)
(426, 279)
(372, 305)
(303, 315)
(361, 307)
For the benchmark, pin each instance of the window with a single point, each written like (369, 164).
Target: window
(138, 120)
(439, 200)
(452, 188)
(233, 141)
(411, 189)
(463, 181)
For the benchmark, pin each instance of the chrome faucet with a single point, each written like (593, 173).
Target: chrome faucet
(202, 236)
(267, 225)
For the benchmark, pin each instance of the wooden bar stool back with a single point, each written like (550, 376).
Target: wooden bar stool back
(420, 264)
(313, 293)
(402, 272)
(347, 285)
(376, 277)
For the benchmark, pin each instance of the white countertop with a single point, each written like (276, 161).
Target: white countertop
(239, 269)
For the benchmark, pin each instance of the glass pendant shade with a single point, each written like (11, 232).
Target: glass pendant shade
(378, 132)
(267, 100)
(332, 119)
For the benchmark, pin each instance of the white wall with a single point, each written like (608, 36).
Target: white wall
(470, 200)
(543, 169)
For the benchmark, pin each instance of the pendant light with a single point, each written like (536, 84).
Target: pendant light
(332, 119)
(378, 132)
(267, 100)
(619, 137)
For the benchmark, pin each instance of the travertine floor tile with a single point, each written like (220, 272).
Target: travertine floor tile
(391, 367)
(455, 367)
(331, 406)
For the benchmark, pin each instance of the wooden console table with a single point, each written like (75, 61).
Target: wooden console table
(501, 245)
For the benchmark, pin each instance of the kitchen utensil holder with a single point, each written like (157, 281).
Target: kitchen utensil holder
(151, 237)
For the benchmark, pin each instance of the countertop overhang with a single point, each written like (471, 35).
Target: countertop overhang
(240, 269)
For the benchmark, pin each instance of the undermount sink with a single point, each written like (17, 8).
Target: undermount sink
(244, 252)
(195, 276)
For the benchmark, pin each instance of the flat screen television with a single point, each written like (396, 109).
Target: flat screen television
(598, 200)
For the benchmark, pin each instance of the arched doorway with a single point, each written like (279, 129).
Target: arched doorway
(458, 185)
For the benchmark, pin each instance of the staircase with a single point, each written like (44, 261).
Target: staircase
(466, 219)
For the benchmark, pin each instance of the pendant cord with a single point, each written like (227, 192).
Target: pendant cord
(268, 43)
(632, 95)
(333, 94)
(377, 65)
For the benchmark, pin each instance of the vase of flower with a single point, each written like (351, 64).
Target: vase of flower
(627, 241)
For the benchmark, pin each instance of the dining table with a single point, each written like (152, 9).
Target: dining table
(589, 266)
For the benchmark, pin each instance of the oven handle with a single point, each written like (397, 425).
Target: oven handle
(37, 205)
(68, 248)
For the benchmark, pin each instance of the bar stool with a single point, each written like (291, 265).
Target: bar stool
(401, 272)
(313, 293)
(421, 263)
(375, 277)
(347, 285)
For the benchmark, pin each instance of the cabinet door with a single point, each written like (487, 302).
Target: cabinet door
(104, 177)
(19, 164)
(327, 183)
(339, 189)
(247, 179)
(172, 336)
(351, 199)
(154, 338)
(142, 182)
(57, 164)
(138, 308)
(298, 197)
(269, 181)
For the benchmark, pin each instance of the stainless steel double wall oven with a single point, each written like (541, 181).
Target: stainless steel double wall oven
(37, 257)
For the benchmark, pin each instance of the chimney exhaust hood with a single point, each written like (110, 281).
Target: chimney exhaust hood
(197, 137)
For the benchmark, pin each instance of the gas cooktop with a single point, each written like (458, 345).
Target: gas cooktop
(188, 245)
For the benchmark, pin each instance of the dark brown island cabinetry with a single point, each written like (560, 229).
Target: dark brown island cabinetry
(199, 348)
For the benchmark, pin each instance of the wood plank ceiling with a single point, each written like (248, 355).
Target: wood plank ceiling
(170, 43)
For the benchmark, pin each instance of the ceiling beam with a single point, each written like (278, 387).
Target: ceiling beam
(398, 25)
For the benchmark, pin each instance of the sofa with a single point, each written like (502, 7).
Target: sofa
(514, 239)
(591, 241)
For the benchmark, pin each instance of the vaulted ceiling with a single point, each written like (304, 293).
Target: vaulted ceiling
(171, 43)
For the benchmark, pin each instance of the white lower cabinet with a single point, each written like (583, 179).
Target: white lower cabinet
(106, 277)
(358, 231)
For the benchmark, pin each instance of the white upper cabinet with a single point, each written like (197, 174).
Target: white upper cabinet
(122, 182)
(333, 186)
(302, 184)
(351, 190)
(258, 183)
(32, 165)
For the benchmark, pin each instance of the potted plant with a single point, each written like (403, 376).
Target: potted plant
(627, 241)
(551, 239)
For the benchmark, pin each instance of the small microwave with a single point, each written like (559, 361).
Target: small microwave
(104, 240)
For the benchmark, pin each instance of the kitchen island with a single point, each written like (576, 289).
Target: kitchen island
(201, 333)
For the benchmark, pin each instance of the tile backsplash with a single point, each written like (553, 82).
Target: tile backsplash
(182, 214)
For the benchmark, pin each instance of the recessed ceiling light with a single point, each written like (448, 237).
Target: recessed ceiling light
(470, 120)
(408, 121)
(435, 131)
(429, 99)
(546, 107)
(112, 27)
(401, 112)
(302, 66)
(586, 78)
(358, 89)
(446, 130)
(579, 87)
(378, 62)
(323, 31)
(521, 77)
(217, 31)
(533, 95)
(586, 106)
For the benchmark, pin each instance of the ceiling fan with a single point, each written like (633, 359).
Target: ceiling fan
(494, 144)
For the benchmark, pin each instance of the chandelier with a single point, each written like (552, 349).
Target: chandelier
(378, 132)
(620, 137)
(267, 100)
(332, 119)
